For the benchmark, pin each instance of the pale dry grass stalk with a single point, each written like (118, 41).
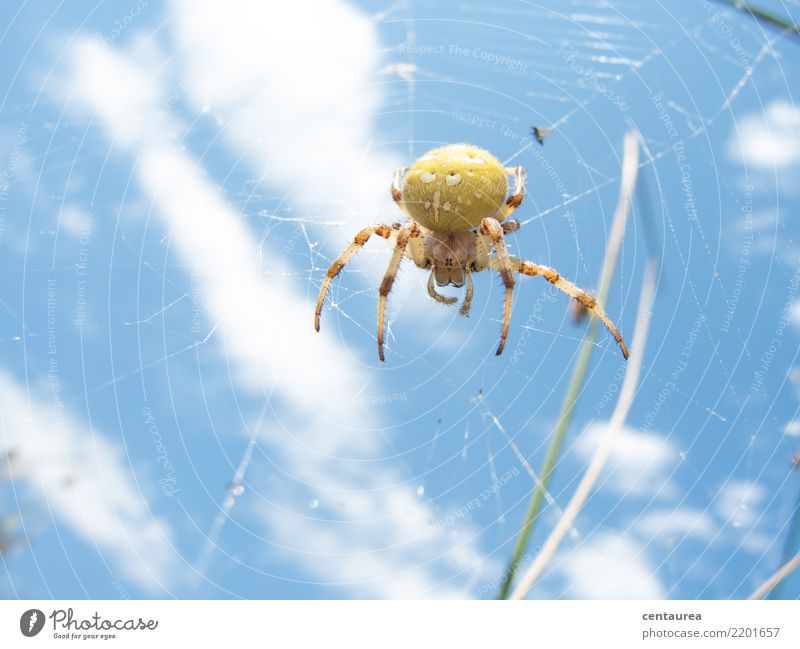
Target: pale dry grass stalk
(782, 573)
(626, 396)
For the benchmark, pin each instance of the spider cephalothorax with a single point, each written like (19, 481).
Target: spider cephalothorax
(455, 200)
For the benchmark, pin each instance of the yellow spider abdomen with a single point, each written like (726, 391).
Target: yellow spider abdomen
(455, 187)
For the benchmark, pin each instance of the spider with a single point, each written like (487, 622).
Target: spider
(455, 201)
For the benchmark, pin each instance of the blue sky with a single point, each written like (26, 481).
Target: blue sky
(176, 178)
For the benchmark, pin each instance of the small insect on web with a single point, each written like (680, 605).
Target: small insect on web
(539, 133)
(457, 202)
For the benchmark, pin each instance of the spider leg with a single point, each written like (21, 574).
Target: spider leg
(515, 199)
(437, 296)
(490, 227)
(407, 231)
(551, 275)
(465, 305)
(341, 261)
(415, 251)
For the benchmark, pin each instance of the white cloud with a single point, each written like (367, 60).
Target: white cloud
(738, 501)
(75, 222)
(792, 427)
(84, 481)
(607, 566)
(294, 87)
(265, 326)
(272, 348)
(770, 139)
(386, 547)
(677, 523)
(794, 313)
(639, 463)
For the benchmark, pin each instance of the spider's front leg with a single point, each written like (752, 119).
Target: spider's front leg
(517, 194)
(531, 269)
(406, 232)
(491, 228)
(341, 261)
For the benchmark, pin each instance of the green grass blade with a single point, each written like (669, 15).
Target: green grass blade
(553, 453)
(764, 16)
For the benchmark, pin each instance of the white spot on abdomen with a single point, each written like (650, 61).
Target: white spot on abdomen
(452, 179)
(427, 177)
(436, 198)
